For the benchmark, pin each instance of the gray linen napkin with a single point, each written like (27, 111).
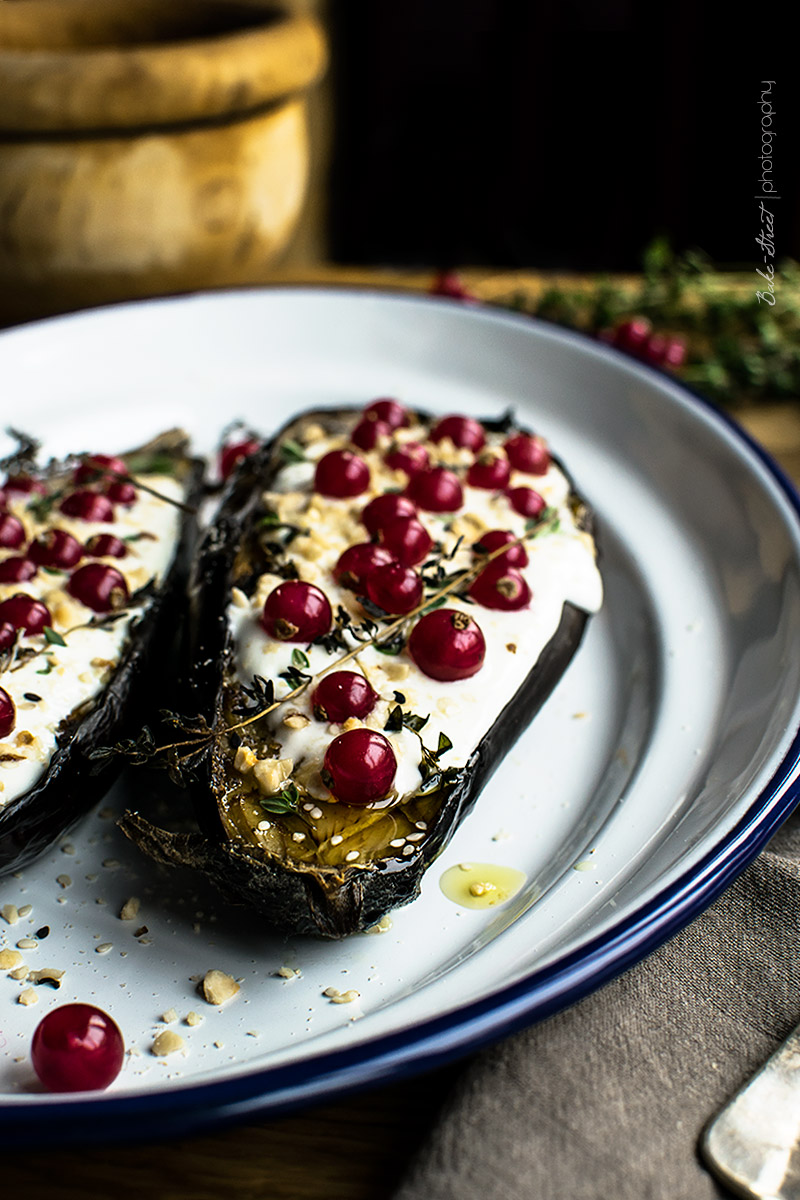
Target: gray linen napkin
(609, 1098)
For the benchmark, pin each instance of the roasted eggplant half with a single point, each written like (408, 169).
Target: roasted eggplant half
(94, 553)
(381, 605)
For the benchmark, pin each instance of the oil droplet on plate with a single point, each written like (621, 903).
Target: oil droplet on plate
(481, 885)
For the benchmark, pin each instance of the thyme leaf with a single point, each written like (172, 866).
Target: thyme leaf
(285, 801)
(292, 451)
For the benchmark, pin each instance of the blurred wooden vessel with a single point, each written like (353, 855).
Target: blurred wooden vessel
(147, 147)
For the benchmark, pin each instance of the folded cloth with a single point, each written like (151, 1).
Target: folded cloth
(609, 1098)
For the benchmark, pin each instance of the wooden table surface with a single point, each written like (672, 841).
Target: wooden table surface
(355, 1148)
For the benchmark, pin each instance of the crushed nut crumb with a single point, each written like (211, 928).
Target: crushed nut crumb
(64, 881)
(337, 997)
(9, 959)
(10, 913)
(169, 1016)
(104, 948)
(166, 1042)
(217, 987)
(47, 975)
(27, 997)
(130, 909)
(19, 974)
(67, 848)
(193, 1018)
(287, 973)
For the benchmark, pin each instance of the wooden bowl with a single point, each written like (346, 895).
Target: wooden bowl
(147, 147)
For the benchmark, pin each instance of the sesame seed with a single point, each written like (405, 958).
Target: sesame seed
(421, 824)
(351, 856)
(316, 813)
(27, 944)
(104, 948)
(415, 837)
(298, 837)
(408, 850)
(336, 839)
(25, 910)
(397, 842)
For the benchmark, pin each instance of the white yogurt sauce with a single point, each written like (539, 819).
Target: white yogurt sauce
(67, 676)
(562, 568)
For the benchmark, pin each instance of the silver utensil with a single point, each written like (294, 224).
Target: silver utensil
(753, 1145)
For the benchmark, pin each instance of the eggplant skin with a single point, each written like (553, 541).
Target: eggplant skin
(332, 902)
(73, 783)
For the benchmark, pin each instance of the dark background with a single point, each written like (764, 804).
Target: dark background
(550, 134)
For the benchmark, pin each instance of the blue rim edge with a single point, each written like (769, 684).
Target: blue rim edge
(276, 1091)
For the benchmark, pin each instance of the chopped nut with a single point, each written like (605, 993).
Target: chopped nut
(130, 909)
(9, 959)
(383, 926)
(67, 848)
(245, 760)
(296, 720)
(192, 1018)
(337, 997)
(287, 973)
(24, 738)
(64, 881)
(169, 1016)
(480, 888)
(47, 975)
(217, 987)
(166, 1042)
(27, 997)
(19, 974)
(271, 773)
(10, 913)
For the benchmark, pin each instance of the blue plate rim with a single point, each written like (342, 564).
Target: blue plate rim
(185, 1109)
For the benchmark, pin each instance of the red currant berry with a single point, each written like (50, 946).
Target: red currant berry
(366, 433)
(121, 491)
(390, 411)
(340, 474)
(527, 453)
(385, 508)
(57, 549)
(448, 283)
(356, 562)
(8, 713)
(515, 556)
(490, 472)
(631, 336)
(341, 695)
(501, 587)
(526, 501)
(409, 457)
(17, 569)
(23, 612)
(99, 466)
(99, 586)
(25, 485)
(12, 532)
(407, 539)
(359, 767)
(447, 644)
(88, 506)
(465, 432)
(296, 612)
(675, 353)
(235, 452)
(436, 490)
(394, 588)
(105, 545)
(8, 635)
(77, 1048)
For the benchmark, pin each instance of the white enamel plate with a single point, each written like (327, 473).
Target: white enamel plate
(659, 767)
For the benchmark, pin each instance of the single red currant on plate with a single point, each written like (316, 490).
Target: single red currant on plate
(359, 767)
(447, 645)
(408, 540)
(491, 472)
(98, 466)
(340, 695)
(295, 611)
(77, 1048)
(367, 432)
